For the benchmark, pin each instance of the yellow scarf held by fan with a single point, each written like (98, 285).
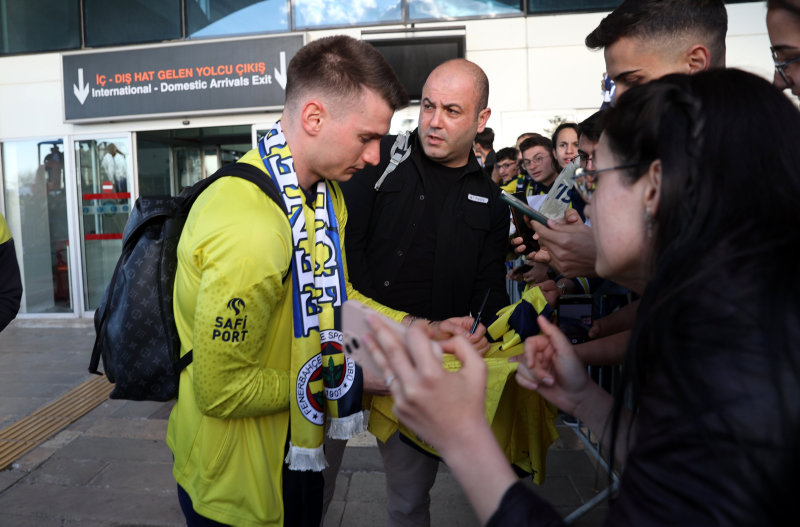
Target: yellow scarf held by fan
(522, 421)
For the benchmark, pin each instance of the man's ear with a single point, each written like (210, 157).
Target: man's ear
(312, 116)
(698, 59)
(652, 191)
(483, 116)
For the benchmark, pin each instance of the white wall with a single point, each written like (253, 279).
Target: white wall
(538, 68)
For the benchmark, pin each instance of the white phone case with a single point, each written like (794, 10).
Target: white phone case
(354, 327)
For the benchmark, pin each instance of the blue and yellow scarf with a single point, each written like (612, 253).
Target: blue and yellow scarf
(325, 381)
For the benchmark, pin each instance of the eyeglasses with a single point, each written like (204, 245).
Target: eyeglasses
(585, 181)
(585, 158)
(507, 166)
(537, 160)
(780, 67)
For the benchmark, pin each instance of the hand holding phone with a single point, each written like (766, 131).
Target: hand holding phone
(523, 207)
(515, 273)
(354, 327)
(522, 228)
(522, 269)
(575, 315)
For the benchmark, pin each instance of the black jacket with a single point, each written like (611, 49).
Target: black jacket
(471, 240)
(10, 283)
(717, 428)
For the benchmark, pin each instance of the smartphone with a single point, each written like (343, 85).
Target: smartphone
(522, 269)
(354, 327)
(523, 207)
(522, 228)
(575, 316)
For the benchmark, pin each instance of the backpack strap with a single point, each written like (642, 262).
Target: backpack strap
(253, 175)
(244, 171)
(184, 361)
(97, 349)
(399, 152)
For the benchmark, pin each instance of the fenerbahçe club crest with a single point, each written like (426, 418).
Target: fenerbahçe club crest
(329, 371)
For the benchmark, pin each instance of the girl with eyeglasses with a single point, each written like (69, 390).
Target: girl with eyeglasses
(783, 26)
(706, 421)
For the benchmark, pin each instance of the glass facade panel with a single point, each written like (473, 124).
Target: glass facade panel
(115, 23)
(426, 9)
(260, 133)
(32, 26)
(552, 6)
(154, 166)
(414, 58)
(170, 160)
(214, 18)
(326, 13)
(39, 25)
(36, 211)
(103, 167)
(188, 165)
(211, 160)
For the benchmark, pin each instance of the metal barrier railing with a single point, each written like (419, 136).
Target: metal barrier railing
(606, 377)
(513, 288)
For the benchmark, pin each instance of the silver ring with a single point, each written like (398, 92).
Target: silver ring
(389, 380)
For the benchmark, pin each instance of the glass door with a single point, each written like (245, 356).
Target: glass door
(36, 211)
(103, 168)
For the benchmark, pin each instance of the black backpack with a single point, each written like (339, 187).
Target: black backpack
(134, 324)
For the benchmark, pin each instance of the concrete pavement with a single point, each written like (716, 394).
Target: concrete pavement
(111, 467)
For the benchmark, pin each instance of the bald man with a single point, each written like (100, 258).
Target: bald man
(431, 241)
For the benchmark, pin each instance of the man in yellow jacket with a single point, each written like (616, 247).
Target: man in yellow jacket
(257, 298)
(258, 293)
(10, 282)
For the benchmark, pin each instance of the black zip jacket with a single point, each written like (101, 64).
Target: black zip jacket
(471, 238)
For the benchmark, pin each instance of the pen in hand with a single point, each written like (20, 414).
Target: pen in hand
(480, 312)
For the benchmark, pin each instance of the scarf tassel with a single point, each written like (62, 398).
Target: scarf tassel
(304, 459)
(349, 426)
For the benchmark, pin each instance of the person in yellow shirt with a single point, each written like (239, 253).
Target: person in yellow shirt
(508, 176)
(257, 300)
(257, 294)
(10, 281)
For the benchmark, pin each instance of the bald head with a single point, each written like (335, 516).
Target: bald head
(467, 72)
(452, 111)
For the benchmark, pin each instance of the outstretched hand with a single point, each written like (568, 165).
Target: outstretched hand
(550, 366)
(446, 409)
(421, 387)
(550, 291)
(568, 245)
(460, 326)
